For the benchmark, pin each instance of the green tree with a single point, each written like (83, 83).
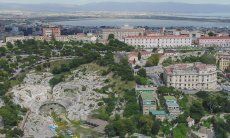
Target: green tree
(111, 37)
(131, 107)
(55, 80)
(208, 59)
(10, 113)
(38, 68)
(221, 127)
(142, 73)
(197, 111)
(166, 127)
(3, 89)
(15, 133)
(167, 62)
(120, 128)
(139, 55)
(153, 60)
(211, 34)
(145, 124)
(156, 127)
(9, 45)
(110, 130)
(2, 51)
(180, 131)
(167, 90)
(141, 80)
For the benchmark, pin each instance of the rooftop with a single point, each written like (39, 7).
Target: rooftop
(145, 88)
(172, 104)
(148, 96)
(157, 112)
(98, 124)
(153, 68)
(149, 103)
(189, 67)
(220, 37)
(123, 30)
(158, 37)
(224, 55)
(170, 98)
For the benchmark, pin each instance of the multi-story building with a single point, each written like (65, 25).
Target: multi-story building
(160, 114)
(83, 38)
(121, 33)
(133, 56)
(223, 59)
(150, 42)
(51, 32)
(191, 76)
(21, 38)
(78, 37)
(147, 99)
(172, 105)
(215, 41)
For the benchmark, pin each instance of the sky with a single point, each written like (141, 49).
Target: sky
(90, 1)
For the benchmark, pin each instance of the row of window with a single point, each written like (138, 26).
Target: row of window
(194, 76)
(158, 42)
(155, 41)
(189, 85)
(196, 80)
(215, 41)
(219, 44)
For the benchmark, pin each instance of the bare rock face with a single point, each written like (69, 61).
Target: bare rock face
(35, 91)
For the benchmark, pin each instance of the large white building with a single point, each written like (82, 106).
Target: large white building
(12, 39)
(64, 38)
(150, 42)
(121, 33)
(223, 41)
(78, 37)
(191, 76)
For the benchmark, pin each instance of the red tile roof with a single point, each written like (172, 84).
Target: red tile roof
(222, 37)
(197, 66)
(157, 37)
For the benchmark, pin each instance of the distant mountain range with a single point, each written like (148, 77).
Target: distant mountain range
(118, 6)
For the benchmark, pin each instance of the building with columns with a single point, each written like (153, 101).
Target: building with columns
(191, 76)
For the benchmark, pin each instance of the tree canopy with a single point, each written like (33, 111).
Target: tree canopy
(153, 60)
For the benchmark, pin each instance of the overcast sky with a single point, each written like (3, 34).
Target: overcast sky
(89, 1)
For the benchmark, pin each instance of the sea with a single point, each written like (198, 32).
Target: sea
(141, 22)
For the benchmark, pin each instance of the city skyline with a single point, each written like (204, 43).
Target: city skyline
(88, 1)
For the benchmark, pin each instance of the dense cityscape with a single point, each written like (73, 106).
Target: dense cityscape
(87, 81)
